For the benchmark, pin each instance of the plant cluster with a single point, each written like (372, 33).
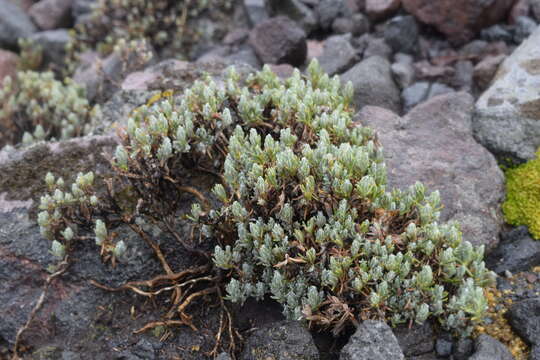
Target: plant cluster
(522, 204)
(36, 106)
(299, 210)
(162, 23)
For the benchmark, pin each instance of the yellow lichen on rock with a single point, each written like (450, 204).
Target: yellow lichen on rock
(522, 205)
(499, 328)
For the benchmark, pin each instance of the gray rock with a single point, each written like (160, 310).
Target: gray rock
(256, 11)
(217, 53)
(224, 356)
(53, 43)
(429, 356)
(373, 84)
(496, 32)
(507, 114)
(23, 170)
(296, 10)
(338, 55)
(518, 251)
(524, 317)
(417, 340)
(487, 348)
(285, 340)
(486, 69)
(279, 41)
(471, 186)
(245, 56)
(358, 24)
(81, 7)
(463, 349)
(403, 70)
(377, 47)
(401, 33)
(381, 9)
(328, 11)
(102, 77)
(373, 340)
(143, 350)
(535, 7)
(476, 48)
(51, 14)
(463, 77)
(525, 26)
(414, 95)
(14, 24)
(437, 89)
(535, 353)
(443, 347)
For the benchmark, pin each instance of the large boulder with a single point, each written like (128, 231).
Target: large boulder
(459, 20)
(373, 84)
(507, 117)
(434, 144)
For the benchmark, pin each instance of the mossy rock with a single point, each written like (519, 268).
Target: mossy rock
(522, 205)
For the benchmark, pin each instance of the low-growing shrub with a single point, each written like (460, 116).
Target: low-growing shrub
(36, 106)
(162, 23)
(299, 210)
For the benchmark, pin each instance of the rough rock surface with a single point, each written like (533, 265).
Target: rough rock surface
(338, 55)
(524, 317)
(414, 94)
(401, 33)
(285, 340)
(8, 64)
(373, 84)
(51, 14)
(279, 40)
(373, 340)
(295, 10)
(380, 9)
(459, 20)
(507, 119)
(14, 24)
(487, 348)
(518, 251)
(32, 164)
(403, 70)
(417, 340)
(449, 160)
(53, 43)
(486, 69)
(102, 77)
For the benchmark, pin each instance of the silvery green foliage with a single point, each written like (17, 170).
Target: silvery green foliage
(162, 23)
(320, 232)
(305, 215)
(37, 107)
